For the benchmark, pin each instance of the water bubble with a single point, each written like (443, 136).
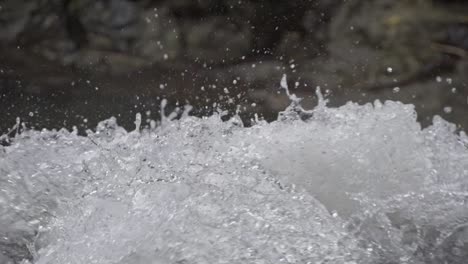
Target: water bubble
(137, 122)
(153, 124)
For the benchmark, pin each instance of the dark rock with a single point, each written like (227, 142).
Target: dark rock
(118, 20)
(217, 40)
(14, 18)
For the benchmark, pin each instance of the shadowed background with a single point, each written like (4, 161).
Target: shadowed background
(77, 62)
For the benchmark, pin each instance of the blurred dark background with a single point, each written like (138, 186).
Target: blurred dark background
(76, 62)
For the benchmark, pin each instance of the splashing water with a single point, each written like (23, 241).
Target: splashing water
(354, 184)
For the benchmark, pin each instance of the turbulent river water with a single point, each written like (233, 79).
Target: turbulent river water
(347, 185)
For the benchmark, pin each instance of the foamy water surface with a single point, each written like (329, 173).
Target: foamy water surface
(354, 184)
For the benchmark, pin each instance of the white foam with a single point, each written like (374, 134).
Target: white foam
(331, 189)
